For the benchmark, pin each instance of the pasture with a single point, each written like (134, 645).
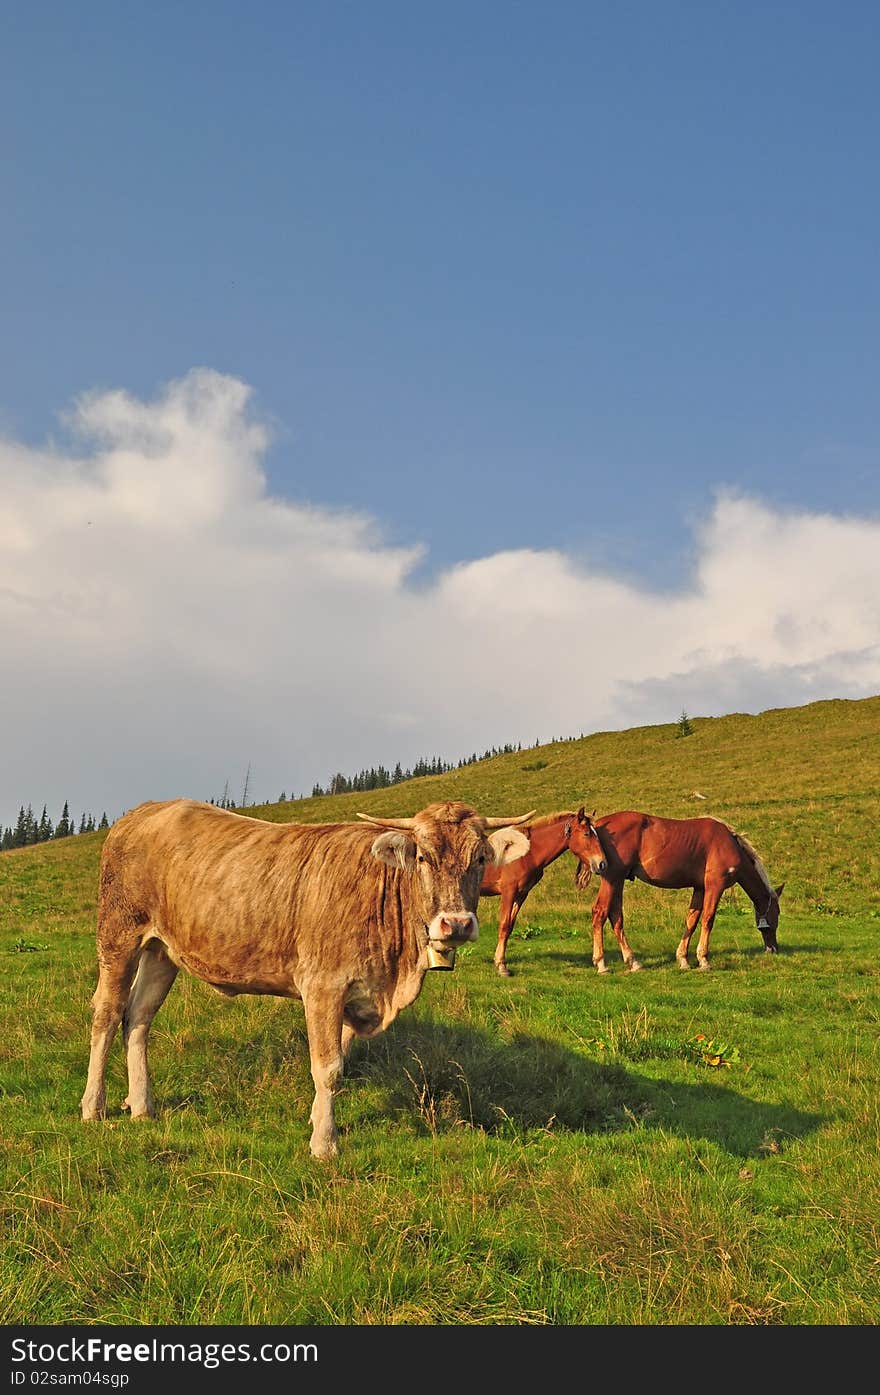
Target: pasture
(554, 1148)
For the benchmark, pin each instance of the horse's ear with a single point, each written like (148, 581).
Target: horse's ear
(779, 890)
(580, 814)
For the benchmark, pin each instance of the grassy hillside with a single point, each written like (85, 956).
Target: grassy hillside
(555, 1148)
(803, 783)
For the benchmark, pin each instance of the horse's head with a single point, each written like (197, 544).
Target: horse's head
(583, 841)
(767, 920)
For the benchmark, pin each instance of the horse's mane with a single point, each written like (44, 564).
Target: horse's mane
(546, 819)
(583, 873)
(747, 846)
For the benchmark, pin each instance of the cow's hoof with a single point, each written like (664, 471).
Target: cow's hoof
(324, 1151)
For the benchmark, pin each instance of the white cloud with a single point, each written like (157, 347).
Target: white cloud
(165, 622)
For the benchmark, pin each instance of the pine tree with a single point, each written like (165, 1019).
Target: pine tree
(104, 823)
(63, 827)
(683, 726)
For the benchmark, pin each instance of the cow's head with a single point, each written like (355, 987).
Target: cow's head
(444, 851)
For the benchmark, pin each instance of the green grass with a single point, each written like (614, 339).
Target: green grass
(555, 1148)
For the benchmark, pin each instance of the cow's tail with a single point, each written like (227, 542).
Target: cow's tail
(583, 875)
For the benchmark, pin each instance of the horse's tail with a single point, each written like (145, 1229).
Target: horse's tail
(583, 874)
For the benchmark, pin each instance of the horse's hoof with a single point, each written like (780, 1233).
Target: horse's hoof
(635, 967)
(502, 970)
(602, 969)
(704, 965)
(683, 964)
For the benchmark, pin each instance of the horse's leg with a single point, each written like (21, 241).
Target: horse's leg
(713, 895)
(601, 907)
(510, 908)
(690, 925)
(616, 917)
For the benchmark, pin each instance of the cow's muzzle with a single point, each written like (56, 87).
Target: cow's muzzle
(453, 927)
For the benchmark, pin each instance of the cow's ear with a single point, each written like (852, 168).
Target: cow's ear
(508, 844)
(395, 848)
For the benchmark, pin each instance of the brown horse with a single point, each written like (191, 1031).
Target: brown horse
(549, 837)
(704, 854)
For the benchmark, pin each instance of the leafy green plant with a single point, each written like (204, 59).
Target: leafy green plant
(22, 946)
(710, 1051)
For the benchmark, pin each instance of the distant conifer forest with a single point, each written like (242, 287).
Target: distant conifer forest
(30, 829)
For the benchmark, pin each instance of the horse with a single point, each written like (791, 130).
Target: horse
(704, 854)
(549, 837)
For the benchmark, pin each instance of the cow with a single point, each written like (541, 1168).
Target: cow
(341, 916)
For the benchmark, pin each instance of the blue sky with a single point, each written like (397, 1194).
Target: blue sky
(504, 277)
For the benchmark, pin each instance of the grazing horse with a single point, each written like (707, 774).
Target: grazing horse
(704, 854)
(549, 837)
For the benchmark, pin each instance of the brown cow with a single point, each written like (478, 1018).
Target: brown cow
(329, 913)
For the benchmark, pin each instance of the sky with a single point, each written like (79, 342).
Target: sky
(390, 381)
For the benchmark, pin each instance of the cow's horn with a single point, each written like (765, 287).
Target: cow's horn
(388, 823)
(507, 823)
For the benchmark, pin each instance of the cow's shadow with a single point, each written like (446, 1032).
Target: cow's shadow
(447, 1077)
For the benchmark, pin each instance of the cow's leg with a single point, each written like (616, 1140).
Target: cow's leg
(154, 977)
(325, 1029)
(108, 1004)
(601, 908)
(615, 913)
(690, 925)
(714, 892)
(510, 908)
